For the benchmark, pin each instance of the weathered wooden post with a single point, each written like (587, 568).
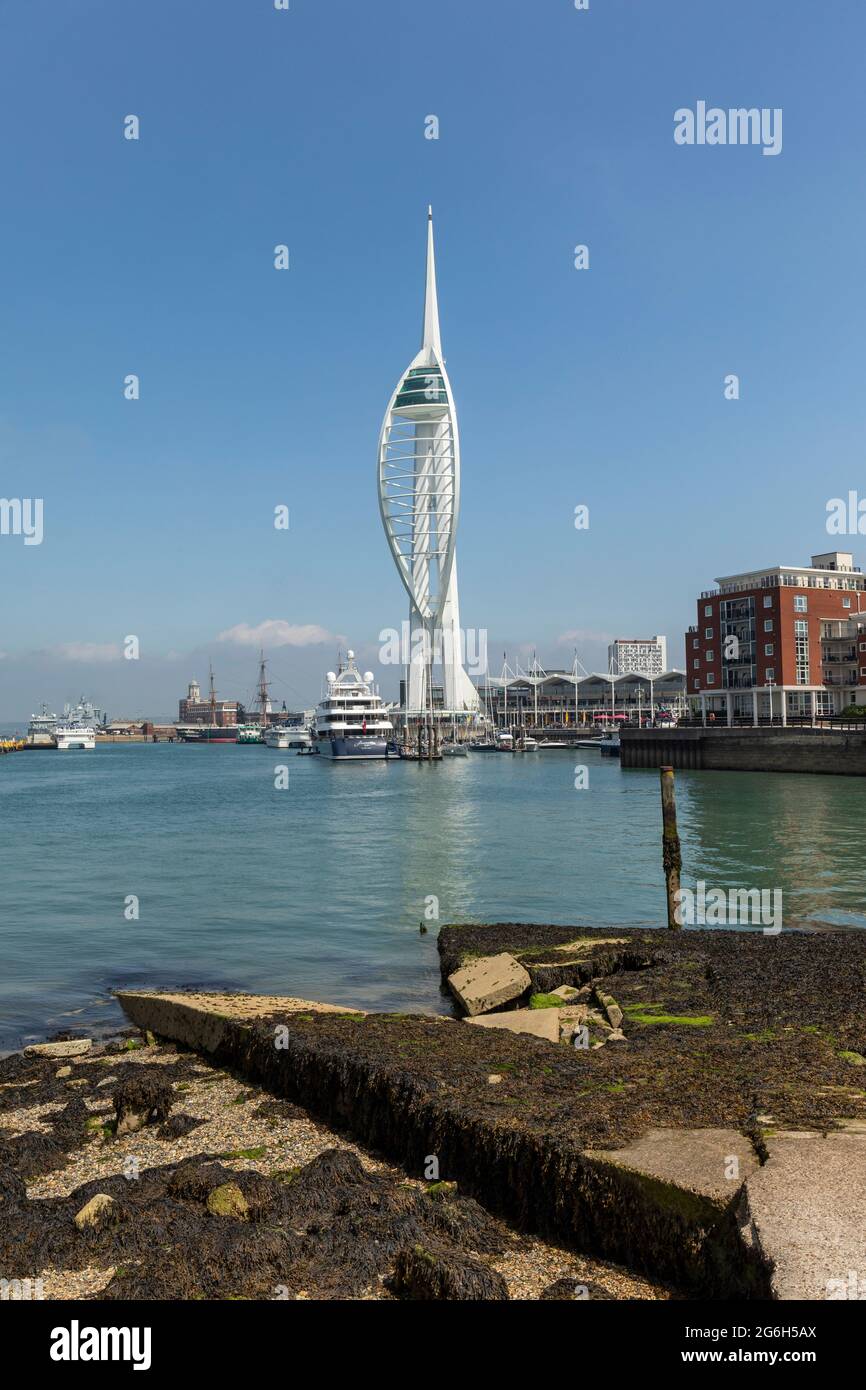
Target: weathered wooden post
(671, 857)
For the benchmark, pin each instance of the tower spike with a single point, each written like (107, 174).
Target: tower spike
(431, 337)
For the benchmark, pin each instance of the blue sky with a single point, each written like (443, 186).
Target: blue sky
(260, 387)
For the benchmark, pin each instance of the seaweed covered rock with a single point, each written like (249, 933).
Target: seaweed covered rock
(140, 1099)
(424, 1273)
(246, 1195)
(228, 1200)
(99, 1212)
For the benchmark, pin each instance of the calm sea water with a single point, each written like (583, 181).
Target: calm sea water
(318, 890)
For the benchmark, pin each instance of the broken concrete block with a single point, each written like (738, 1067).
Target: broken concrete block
(804, 1213)
(74, 1047)
(489, 982)
(569, 994)
(541, 1023)
(712, 1164)
(612, 1011)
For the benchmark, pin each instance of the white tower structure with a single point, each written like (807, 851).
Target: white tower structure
(419, 500)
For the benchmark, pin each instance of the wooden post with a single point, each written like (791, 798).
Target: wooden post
(419, 740)
(671, 857)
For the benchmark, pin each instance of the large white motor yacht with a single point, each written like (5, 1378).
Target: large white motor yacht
(353, 722)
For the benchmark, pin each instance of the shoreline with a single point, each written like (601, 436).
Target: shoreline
(709, 1138)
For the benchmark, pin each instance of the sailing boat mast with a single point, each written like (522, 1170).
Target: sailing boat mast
(213, 718)
(264, 685)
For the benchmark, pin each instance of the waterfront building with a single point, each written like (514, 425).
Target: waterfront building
(419, 501)
(195, 710)
(560, 699)
(642, 656)
(782, 642)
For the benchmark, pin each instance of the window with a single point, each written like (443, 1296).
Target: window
(708, 632)
(768, 600)
(696, 663)
(863, 646)
(800, 603)
(770, 673)
(801, 650)
(709, 656)
(697, 683)
(768, 624)
(696, 642)
(846, 603)
(768, 649)
(711, 680)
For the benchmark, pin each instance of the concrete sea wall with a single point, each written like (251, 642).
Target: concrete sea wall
(747, 750)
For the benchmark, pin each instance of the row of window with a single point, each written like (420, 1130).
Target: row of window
(801, 603)
(770, 675)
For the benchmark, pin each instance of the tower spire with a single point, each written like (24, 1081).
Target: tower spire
(431, 337)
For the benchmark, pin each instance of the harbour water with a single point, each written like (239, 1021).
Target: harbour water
(318, 889)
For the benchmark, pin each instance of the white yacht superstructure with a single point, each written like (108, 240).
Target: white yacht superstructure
(72, 734)
(293, 731)
(353, 722)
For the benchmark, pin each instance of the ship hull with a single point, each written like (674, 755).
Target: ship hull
(207, 735)
(355, 748)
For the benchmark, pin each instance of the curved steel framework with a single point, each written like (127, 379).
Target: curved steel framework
(419, 502)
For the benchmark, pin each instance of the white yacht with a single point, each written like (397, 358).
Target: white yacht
(352, 722)
(70, 733)
(293, 731)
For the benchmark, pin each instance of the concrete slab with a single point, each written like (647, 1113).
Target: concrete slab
(805, 1211)
(199, 1020)
(488, 982)
(75, 1047)
(711, 1163)
(541, 1023)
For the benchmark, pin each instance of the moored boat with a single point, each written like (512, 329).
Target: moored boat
(353, 723)
(72, 734)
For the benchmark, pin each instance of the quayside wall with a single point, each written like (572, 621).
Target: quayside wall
(747, 750)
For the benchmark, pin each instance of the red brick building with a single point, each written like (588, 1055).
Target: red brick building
(785, 641)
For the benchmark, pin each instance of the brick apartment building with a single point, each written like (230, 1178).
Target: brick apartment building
(783, 641)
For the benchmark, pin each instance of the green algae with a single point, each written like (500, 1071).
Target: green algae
(546, 1001)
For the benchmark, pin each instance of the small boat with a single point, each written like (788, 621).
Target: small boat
(290, 733)
(453, 750)
(546, 743)
(609, 745)
(250, 733)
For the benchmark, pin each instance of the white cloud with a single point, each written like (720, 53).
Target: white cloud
(276, 632)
